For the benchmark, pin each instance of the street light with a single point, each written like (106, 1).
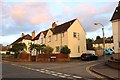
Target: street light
(103, 35)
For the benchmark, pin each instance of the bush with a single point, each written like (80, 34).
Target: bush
(47, 49)
(65, 50)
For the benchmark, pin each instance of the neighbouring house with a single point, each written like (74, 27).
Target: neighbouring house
(98, 43)
(116, 28)
(25, 39)
(3, 49)
(70, 33)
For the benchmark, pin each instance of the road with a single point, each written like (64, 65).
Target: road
(62, 70)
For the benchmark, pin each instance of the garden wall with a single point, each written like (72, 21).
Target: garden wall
(52, 57)
(24, 57)
(44, 57)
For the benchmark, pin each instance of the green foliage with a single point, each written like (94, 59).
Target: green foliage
(17, 48)
(65, 50)
(98, 37)
(47, 49)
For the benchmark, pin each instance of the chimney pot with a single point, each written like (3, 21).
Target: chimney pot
(119, 3)
(54, 24)
(22, 35)
(33, 34)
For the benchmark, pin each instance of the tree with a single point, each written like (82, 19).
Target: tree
(89, 44)
(65, 50)
(37, 47)
(17, 48)
(98, 37)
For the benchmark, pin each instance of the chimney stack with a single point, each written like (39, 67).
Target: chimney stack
(54, 24)
(119, 3)
(22, 35)
(33, 34)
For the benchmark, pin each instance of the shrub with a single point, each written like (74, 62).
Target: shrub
(47, 49)
(65, 50)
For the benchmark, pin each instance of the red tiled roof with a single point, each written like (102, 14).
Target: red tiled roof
(37, 37)
(26, 37)
(100, 41)
(58, 29)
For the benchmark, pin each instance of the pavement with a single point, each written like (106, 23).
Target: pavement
(106, 71)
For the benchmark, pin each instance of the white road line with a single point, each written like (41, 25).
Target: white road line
(52, 71)
(59, 73)
(42, 71)
(46, 70)
(77, 77)
(37, 70)
(66, 75)
(62, 76)
(54, 74)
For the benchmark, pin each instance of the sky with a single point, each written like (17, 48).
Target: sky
(17, 16)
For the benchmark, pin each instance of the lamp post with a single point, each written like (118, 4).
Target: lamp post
(103, 35)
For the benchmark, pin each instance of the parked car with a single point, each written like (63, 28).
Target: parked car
(89, 56)
(108, 51)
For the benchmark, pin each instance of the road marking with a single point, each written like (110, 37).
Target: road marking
(54, 74)
(62, 76)
(59, 73)
(37, 70)
(42, 71)
(52, 71)
(77, 77)
(66, 74)
(92, 73)
(45, 71)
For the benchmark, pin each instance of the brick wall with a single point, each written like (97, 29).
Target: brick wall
(24, 57)
(52, 57)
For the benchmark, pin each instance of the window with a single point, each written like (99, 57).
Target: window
(74, 34)
(49, 39)
(56, 37)
(78, 36)
(41, 40)
(57, 48)
(78, 49)
(63, 34)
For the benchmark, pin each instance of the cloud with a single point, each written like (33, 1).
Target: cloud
(23, 17)
(88, 14)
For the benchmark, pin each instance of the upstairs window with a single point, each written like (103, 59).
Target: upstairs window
(56, 37)
(41, 40)
(74, 34)
(49, 39)
(63, 34)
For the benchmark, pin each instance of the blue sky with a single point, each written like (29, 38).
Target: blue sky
(17, 16)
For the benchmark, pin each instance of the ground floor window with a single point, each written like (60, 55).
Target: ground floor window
(57, 49)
